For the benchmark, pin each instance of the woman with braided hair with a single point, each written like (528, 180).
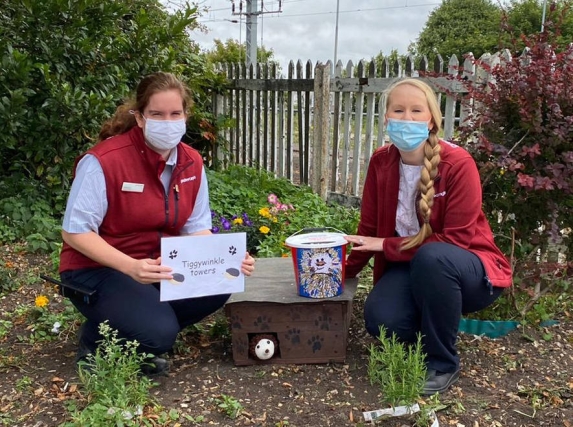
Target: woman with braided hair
(422, 220)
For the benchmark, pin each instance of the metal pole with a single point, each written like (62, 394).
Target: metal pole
(543, 15)
(336, 35)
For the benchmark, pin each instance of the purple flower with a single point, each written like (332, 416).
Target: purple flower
(215, 230)
(226, 224)
(246, 220)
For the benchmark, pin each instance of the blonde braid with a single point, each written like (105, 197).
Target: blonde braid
(429, 171)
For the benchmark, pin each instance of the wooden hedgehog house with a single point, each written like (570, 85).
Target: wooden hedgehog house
(305, 330)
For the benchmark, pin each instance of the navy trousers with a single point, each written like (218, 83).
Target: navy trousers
(134, 309)
(427, 296)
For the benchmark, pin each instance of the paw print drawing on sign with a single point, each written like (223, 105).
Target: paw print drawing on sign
(324, 322)
(173, 254)
(293, 335)
(316, 343)
(232, 250)
(262, 323)
(236, 322)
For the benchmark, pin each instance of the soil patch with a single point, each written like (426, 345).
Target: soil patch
(524, 379)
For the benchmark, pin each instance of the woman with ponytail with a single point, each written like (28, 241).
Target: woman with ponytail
(139, 183)
(421, 218)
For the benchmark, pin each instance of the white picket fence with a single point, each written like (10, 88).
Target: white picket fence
(320, 126)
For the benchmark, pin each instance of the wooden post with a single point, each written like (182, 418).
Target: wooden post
(450, 112)
(217, 152)
(319, 171)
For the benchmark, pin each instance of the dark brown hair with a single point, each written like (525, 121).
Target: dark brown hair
(124, 119)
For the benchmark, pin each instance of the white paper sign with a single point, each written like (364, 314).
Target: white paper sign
(203, 265)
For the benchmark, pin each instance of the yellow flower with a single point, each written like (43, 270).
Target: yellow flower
(238, 221)
(264, 212)
(264, 229)
(42, 301)
(502, 171)
(285, 255)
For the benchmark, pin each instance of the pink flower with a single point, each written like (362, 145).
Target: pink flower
(273, 199)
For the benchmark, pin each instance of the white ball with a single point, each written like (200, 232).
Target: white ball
(265, 349)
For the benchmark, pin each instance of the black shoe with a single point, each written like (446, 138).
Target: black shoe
(82, 357)
(438, 382)
(155, 367)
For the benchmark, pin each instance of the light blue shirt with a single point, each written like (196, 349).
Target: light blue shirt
(87, 202)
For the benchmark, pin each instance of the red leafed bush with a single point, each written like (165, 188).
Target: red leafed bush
(521, 133)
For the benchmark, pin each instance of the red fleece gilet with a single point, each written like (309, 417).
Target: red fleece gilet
(136, 220)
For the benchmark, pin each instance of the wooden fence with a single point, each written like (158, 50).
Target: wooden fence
(319, 126)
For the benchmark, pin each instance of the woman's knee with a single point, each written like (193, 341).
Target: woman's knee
(158, 338)
(428, 255)
(392, 323)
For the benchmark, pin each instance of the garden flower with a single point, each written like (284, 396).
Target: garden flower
(273, 199)
(246, 220)
(265, 212)
(42, 301)
(264, 229)
(238, 221)
(225, 223)
(215, 230)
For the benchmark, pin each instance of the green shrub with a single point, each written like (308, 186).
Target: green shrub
(64, 68)
(398, 370)
(117, 393)
(29, 219)
(270, 209)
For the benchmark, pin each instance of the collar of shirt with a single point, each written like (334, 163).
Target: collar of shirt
(172, 159)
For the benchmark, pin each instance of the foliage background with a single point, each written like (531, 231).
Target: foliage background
(521, 134)
(64, 68)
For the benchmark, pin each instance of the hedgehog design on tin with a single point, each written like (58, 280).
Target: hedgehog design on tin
(321, 273)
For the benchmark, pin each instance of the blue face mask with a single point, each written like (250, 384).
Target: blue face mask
(407, 135)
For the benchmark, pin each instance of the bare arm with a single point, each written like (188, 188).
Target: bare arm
(94, 247)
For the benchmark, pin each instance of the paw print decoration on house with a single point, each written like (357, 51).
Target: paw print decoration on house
(271, 323)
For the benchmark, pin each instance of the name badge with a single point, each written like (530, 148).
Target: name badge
(132, 187)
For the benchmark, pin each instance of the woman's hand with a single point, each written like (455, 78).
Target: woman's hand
(248, 265)
(149, 271)
(366, 243)
(94, 247)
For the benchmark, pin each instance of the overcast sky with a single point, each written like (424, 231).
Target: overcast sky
(305, 29)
